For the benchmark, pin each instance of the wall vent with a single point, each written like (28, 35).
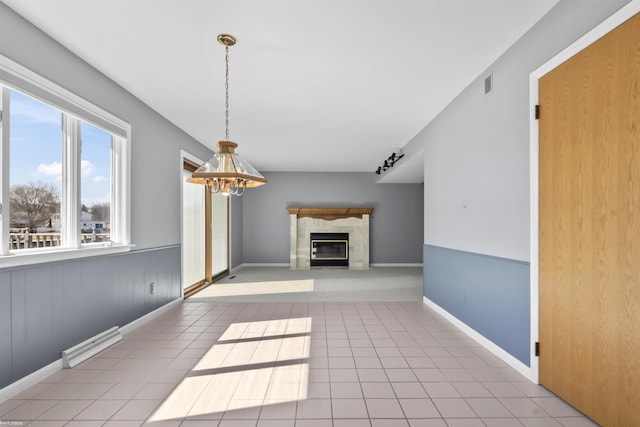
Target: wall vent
(488, 83)
(81, 352)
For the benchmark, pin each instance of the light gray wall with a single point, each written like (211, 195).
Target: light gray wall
(477, 149)
(396, 223)
(477, 183)
(49, 307)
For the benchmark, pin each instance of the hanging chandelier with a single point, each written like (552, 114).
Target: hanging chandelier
(226, 172)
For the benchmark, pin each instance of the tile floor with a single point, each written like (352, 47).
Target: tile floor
(302, 364)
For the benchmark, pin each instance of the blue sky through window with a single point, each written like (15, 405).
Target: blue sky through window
(36, 149)
(96, 165)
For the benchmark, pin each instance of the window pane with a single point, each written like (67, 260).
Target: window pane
(95, 184)
(35, 173)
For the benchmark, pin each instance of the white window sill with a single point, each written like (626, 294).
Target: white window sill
(29, 257)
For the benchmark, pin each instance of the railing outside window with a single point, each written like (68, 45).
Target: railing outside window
(47, 240)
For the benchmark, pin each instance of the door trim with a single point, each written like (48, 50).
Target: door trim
(606, 26)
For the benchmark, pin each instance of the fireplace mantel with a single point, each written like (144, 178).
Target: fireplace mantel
(353, 220)
(330, 214)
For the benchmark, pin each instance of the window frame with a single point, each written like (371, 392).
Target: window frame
(74, 110)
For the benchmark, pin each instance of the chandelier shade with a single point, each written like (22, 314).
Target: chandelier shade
(226, 172)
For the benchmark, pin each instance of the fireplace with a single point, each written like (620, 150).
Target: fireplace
(329, 249)
(350, 224)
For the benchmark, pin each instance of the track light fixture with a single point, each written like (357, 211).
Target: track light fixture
(388, 163)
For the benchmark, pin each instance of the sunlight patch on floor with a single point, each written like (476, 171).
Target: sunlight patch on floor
(252, 364)
(255, 288)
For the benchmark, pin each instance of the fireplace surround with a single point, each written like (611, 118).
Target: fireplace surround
(350, 222)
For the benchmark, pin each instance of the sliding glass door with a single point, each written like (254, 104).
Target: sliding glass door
(205, 234)
(219, 235)
(193, 233)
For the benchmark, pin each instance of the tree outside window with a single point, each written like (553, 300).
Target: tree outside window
(33, 205)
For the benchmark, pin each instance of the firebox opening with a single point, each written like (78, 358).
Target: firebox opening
(329, 249)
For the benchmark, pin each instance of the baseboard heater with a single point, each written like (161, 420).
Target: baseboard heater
(94, 345)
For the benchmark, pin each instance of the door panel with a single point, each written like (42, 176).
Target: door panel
(589, 259)
(205, 234)
(193, 233)
(219, 234)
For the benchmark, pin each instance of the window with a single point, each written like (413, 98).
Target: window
(35, 173)
(65, 173)
(95, 183)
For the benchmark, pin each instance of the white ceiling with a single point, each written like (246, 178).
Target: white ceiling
(325, 85)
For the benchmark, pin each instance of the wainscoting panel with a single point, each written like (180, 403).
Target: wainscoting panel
(5, 327)
(51, 307)
(18, 325)
(40, 318)
(489, 294)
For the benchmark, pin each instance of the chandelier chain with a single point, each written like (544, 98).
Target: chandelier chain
(226, 94)
(225, 173)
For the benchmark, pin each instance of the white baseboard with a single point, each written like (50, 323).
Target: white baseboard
(286, 264)
(261, 264)
(124, 330)
(480, 339)
(399, 264)
(24, 383)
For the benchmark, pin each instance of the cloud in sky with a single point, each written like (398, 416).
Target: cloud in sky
(87, 168)
(53, 169)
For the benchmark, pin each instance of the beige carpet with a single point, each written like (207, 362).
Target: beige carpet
(259, 284)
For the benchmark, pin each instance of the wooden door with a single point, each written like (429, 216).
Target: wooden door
(590, 228)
